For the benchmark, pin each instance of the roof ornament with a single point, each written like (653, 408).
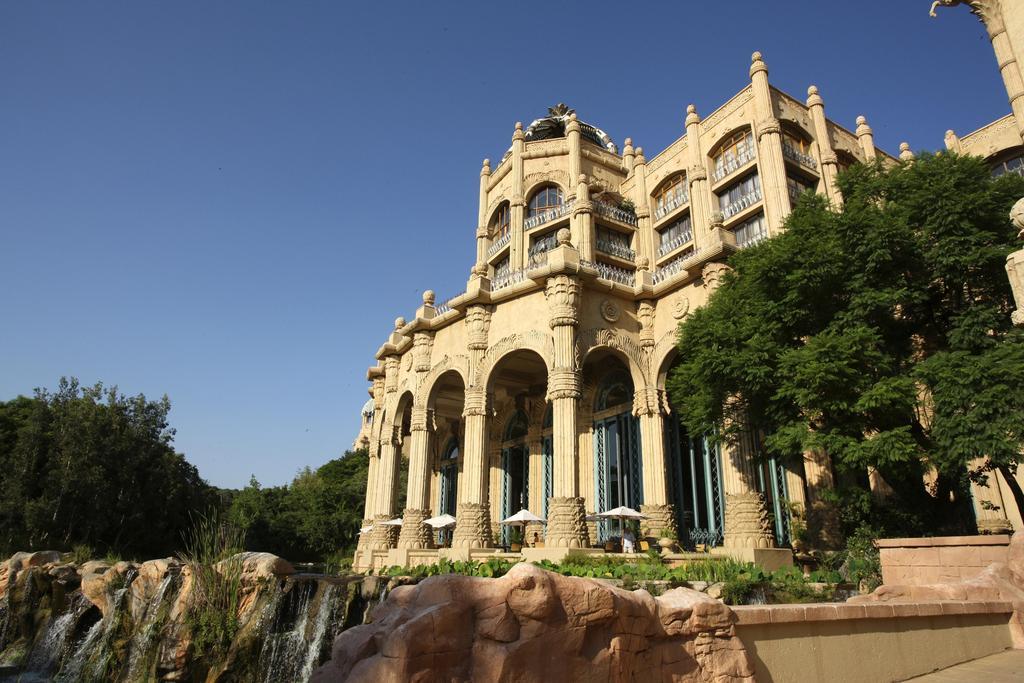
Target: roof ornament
(976, 7)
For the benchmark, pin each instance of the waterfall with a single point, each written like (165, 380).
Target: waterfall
(75, 666)
(147, 631)
(55, 644)
(300, 619)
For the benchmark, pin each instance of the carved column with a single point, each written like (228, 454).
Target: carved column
(989, 506)
(822, 517)
(572, 139)
(517, 245)
(1009, 68)
(566, 509)
(582, 220)
(866, 138)
(770, 164)
(473, 520)
(650, 405)
(826, 155)
(747, 521)
(416, 534)
(701, 201)
(382, 536)
(483, 238)
(645, 239)
(1015, 266)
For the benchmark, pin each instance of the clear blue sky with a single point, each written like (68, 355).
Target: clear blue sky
(196, 197)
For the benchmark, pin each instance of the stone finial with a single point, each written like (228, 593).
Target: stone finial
(757, 64)
(399, 322)
(486, 168)
(563, 236)
(1017, 217)
(862, 126)
(628, 147)
(640, 156)
(428, 297)
(573, 124)
(691, 115)
(479, 269)
(643, 263)
(905, 153)
(952, 141)
(717, 219)
(518, 134)
(813, 98)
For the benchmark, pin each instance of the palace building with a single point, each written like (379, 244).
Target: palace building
(542, 386)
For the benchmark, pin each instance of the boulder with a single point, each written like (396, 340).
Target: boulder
(535, 625)
(257, 566)
(101, 588)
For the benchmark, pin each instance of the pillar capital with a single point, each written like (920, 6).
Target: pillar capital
(476, 403)
(757, 65)
(478, 323)
(563, 296)
(563, 383)
(422, 342)
(768, 126)
(422, 419)
(650, 401)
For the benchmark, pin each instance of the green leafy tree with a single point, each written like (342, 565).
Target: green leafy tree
(879, 333)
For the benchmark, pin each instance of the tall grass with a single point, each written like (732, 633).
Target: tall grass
(211, 548)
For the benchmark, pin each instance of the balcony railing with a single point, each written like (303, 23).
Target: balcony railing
(538, 254)
(499, 243)
(548, 215)
(616, 249)
(733, 164)
(674, 243)
(613, 273)
(672, 267)
(615, 212)
(507, 278)
(799, 157)
(445, 305)
(749, 199)
(672, 202)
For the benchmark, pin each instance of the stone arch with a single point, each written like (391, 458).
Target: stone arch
(665, 352)
(721, 140)
(796, 129)
(534, 181)
(458, 364)
(535, 341)
(626, 348)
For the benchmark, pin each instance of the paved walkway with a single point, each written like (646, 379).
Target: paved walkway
(998, 668)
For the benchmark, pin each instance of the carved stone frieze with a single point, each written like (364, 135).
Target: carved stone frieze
(645, 311)
(421, 345)
(391, 374)
(609, 310)
(712, 273)
(478, 323)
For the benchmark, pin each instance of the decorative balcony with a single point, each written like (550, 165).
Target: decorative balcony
(672, 267)
(799, 157)
(499, 243)
(445, 305)
(667, 247)
(743, 202)
(615, 212)
(538, 254)
(507, 278)
(615, 249)
(613, 273)
(672, 202)
(732, 165)
(548, 215)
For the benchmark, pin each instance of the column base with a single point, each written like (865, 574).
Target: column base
(567, 526)
(360, 560)
(995, 526)
(747, 522)
(660, 522)
(823, 525)
(472, 526)
(415, 534)
(382, 536)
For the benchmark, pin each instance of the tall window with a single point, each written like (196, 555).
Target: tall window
(740, 195)
(675, 235)
(501, 268)
(795, 143)
(1014, 164)
(796, 187)
(671, 195)
(500, 222)
(737, 150)
(545, 198)
(751, 231)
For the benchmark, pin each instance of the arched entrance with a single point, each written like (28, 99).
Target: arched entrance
(618, 469)
(515, 469)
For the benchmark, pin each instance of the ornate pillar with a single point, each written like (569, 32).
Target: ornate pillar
(566, 509)
(866, 138)
(383, 537)
(747, 521)
(650, 405)
(645, 242)
(483, 238)
(770, 164)
(473, 520)
(701, 202)
(572, 138)
(1015, 266)
(989, 506)
(628, 156)
(826, 155)
(582, 221)
(517, 244)
(822, 517)
(416, 534)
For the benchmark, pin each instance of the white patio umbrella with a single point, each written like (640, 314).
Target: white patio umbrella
(522, 518)
(440, 522)
(621, 513)
(366, 529)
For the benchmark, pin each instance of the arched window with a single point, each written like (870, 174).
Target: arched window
(734, 152)
(547, 197)
(672, 194)
(616, 389)
(517, 426)
(452, 450)
(797, 148)
(1011, 163)
(501, 221)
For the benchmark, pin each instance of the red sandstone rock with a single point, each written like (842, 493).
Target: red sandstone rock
(534, 625)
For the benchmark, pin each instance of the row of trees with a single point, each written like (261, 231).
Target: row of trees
(879, 334)
(89, 466)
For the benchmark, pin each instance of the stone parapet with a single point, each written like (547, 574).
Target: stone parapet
(415, 534)
(567, 526)
(923, 561)
(473, 528)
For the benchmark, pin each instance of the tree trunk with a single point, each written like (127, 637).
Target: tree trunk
(1018, 494)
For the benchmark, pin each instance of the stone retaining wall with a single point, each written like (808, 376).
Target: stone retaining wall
(869, 642)
(920, 561)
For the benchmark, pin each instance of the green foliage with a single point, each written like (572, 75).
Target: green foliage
(879, 333)
(211, 548)
(314, 518)
(89, 466)
(493, 568)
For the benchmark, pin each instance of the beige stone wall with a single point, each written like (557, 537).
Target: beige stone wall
(919, 561)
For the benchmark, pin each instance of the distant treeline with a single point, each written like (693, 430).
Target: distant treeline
(91, 469)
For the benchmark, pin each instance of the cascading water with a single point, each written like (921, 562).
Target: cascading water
(301, 618)
(56, 643)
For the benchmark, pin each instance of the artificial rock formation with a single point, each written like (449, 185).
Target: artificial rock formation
(534, 625)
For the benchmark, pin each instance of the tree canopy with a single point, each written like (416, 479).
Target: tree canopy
(879, 333)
